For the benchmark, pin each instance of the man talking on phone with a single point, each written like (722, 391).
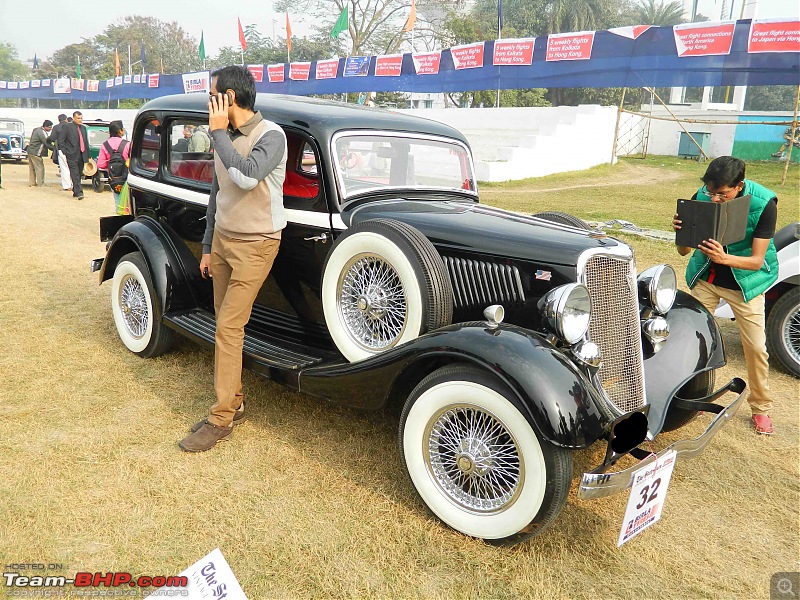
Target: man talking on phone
(244, 220)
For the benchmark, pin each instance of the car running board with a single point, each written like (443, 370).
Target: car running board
(201, 326)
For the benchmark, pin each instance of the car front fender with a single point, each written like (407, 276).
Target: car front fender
(694, 345)
(548, 388)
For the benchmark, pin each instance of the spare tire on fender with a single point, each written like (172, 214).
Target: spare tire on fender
(383, 284)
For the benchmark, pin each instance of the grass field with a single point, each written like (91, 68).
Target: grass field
(309, 500)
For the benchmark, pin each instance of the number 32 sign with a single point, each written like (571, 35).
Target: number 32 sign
(647, 497)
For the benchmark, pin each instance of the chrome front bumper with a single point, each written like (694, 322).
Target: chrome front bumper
(597, 484)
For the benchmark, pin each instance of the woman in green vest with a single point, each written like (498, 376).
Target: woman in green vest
(739, 273)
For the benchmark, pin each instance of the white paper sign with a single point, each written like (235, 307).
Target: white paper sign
(208, 579)
(647, 497)
(196, 82)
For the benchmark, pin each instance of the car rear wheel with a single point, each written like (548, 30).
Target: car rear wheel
(783, 331)
(97, 183)
(137, 313)
(476, 461)
(563, 219)
(383, 284)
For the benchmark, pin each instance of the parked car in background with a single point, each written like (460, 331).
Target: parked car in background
(12, 139)
(98, 133)
(505, 341)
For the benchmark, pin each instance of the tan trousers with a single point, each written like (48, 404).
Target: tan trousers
(750, 320)
(35, 170)
(239, 269)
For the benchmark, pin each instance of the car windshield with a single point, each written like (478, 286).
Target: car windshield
(367, 162)
(97, 136)
(11, 126)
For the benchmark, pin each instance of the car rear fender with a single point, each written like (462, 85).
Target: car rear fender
(174, 271)
(547, 387)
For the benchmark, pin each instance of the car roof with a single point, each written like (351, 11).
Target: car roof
(12, 119)
(318, 117)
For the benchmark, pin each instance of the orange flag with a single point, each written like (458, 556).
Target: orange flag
(242, 41)
(116, 62)
(288, 33)
(412, 17)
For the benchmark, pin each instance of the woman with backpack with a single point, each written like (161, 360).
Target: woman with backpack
(113, 158)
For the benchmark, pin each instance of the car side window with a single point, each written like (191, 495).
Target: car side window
(151, 145)
(191, 152)
(301, 187)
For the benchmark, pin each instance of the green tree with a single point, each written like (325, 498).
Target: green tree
(661, 13)
(11, 69)
(770, 97)
(374, 26)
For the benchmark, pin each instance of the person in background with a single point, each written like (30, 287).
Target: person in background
(182, 145)
(739, 273)
(115, 138)
(199, 142)
(37, 151)
(74, 141)
(58, 154)
(244, 220)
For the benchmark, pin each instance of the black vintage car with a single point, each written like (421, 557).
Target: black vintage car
(505, 340)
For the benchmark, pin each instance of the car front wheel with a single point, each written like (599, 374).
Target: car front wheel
(136, 309)
(783, 331)
(476, 461)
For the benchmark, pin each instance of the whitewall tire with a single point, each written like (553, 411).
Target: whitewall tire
(137, 314)
(383, 284)
(475, 460)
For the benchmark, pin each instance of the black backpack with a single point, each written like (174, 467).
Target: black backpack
(117, 169)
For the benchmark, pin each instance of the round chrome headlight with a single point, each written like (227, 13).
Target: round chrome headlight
(566, 311)
(658, 287)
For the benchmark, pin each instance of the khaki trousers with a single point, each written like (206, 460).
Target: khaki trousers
(750, 320)
(35, 170)
(239, 269)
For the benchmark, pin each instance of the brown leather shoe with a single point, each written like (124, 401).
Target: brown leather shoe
(205, 438)
(238, 417)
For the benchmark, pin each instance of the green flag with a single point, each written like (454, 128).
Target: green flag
(341, 24)
(78, 68)
(202, 49)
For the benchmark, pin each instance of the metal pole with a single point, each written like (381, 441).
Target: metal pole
(686, 131)
(616, 128)
(794, 133)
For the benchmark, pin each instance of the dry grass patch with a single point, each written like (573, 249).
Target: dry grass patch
(309, 500)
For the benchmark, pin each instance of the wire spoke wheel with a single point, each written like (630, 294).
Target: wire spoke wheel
(372, 302)
(474, 459)
(133, 305)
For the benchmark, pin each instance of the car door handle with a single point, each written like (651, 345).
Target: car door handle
(322, 237)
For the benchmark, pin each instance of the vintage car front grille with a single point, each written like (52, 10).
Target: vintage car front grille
(615, 328)
(478, 283)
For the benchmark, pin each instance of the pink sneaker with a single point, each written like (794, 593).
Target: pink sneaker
(763, 424)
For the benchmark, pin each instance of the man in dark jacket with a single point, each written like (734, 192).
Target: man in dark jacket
(58, 155)
(37, 151)
(73, 141)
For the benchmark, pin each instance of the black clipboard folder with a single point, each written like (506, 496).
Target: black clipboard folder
(725, 222)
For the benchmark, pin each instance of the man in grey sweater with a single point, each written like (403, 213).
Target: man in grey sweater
(244, 220)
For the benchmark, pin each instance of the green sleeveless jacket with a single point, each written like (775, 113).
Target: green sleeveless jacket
(752, 283)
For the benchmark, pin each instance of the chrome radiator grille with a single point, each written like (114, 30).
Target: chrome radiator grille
(615, 328)
(479, 283)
